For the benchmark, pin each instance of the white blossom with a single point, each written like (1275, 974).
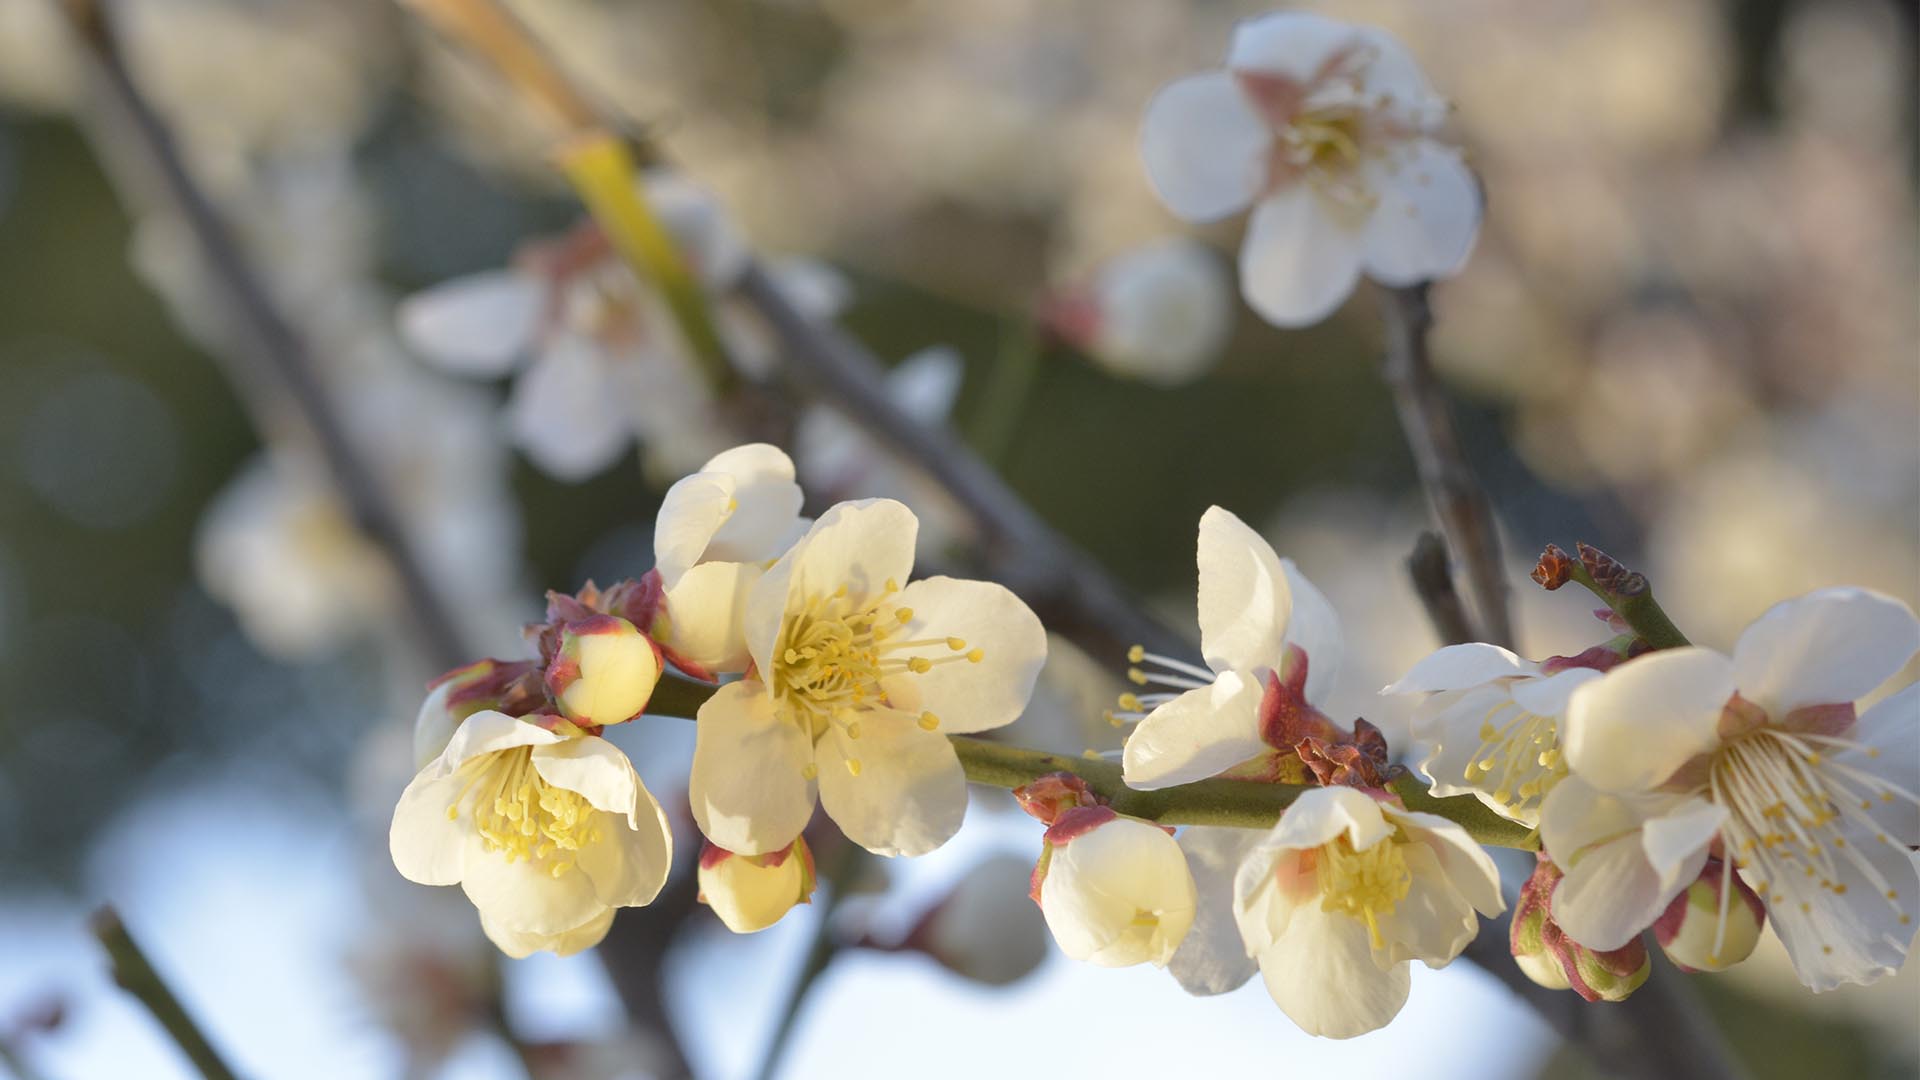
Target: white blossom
(1160, 313)
(1115, 890)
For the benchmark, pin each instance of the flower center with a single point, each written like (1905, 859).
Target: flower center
(1518, 760)
(834, 655)
(517, 812)
(1791, 809)
(1364, 884)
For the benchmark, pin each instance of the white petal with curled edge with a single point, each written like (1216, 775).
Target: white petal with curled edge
(1433, 922)
(1427, 218)
(1298, 263)
(1825, 648)
(562, 414)
(478, 325)
(1889, 738)
(526, 895)
(1204, 146)
(706, 615)
(1549, 695)
(692, 511)
(1466, 864)
(595, 768)
(628, 864)
(1212, 959)
(1630, 729)
(967, 696)
(1320, 815)
(1322, 974)
(767, 503)
(1201, 733)
(520, 945)
(747, 787)
(486, 733)
(1855, 936)
(1676, 842)
(1245, 602)
(1293, 44)
(1610, 891)
(911, 793)
(426, 846)
(1461, 667)
(1315, 629)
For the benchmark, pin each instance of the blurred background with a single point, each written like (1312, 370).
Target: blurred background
(1688, 335)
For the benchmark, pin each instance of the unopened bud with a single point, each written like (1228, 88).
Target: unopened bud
(752, 892)
(603, 671)
(1115, 890)
(1696, 936)
(1549, 957)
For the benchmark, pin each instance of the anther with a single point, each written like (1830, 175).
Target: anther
(928, 721)
(853, 766)
(1136, 654)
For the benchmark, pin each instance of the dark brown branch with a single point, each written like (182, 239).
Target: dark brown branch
(1459, 505)
(271, 338)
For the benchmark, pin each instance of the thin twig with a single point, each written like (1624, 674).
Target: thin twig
(271, 337)
(136, 976)
(1064, 586)
(1459, 505)
(1433, 582)
(847, 863)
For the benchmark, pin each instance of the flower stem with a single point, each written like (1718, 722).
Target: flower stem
(1633, 601)
(137, 977)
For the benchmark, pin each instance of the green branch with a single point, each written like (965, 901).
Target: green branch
(137, 977)
(1626, 592)
(1246, 804)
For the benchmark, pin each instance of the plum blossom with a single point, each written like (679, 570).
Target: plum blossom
(715, 534)
(1345, 892)
(1327, 131)
(1160, 313)
(1272, 647)
(1115, 890)
(548, 831)
(599, 359)
(1490, 727)
(1759, 759)
(856, 681)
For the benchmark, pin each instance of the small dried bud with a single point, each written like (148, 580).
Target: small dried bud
(1554, 569)
(1694, 935)
(752, 892)
(603, 671)
(1054, 794)
(1610, 574)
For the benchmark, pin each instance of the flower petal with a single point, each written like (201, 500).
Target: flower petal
(692, 511)
(521, 945)
(1427, 218)
(1292, 44)
(861, 545)
(1825, 648)
(1212, 959)
(476, 325)
(747, 787)
(488, 732)
(1630, 729)
(595, 768)
(1298, 263)
(562, 415)
(629, 864)
(428, 848)
(1610, 892)
(1461, 667)
(970, 697)
(1314, 629)
(911, 792)
(1433, 922)
(525, 896)
(1889, 736)
(1676, 842)
(1321, 814)
(1099, 883)
(1199, 734)
(1204, 147)
(707, 615)
(1322, 974)
(1466, 864)
(768, 503)
(1852, 937)
(1549, 695)
(1245, 601)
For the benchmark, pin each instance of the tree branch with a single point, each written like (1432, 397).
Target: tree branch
(135, 975)
(1459, 505)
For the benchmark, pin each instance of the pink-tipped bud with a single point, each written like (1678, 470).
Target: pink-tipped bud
(1557, 962)
(1692, 931)
(1054, 794)
(752, 892)
(603, 671)
(1115, 891)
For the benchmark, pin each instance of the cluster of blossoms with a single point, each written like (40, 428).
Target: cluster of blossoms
(841, 685)
(1671, 790)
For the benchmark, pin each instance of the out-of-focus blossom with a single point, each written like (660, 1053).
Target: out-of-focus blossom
(599, 358)
(425, 971)
(716, 532)
(752, 892)
(1326, 130)
(548, 831)
(1159, 313)
(986, 929)
(1272, 647)
(1491, 723)
(1684, 752)
(1115, 890)
(858, 681)
(1212, 959)
(1344, 893)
